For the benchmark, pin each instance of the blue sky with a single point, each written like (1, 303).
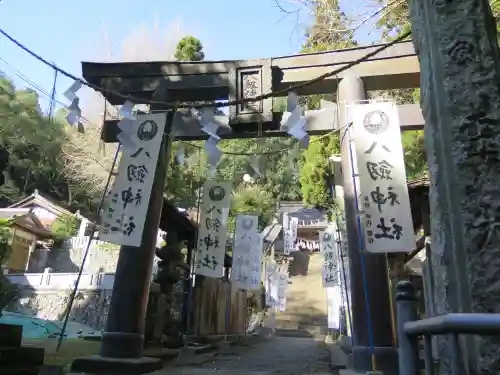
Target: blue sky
(67, 32)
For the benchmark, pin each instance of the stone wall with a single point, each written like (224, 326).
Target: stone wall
(90, 306)
(101, 258)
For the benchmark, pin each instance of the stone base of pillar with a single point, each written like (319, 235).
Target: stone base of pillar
(225, 348)
(386, 359)
(126, 366)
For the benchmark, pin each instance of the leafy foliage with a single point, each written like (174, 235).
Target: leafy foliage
(35, 144)
(65, 226)
(253, 200)
(189, 49)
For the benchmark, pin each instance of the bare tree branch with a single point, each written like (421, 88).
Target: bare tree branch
(86, 161)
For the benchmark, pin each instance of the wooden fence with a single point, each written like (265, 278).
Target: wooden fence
(208, 315)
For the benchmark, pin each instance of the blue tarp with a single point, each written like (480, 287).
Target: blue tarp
(36, 328)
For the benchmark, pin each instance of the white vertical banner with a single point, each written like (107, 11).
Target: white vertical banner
(247, 253)
(286, 234)
(328, 247)
(385, 204)
(334, 298)
(293, 224)
(126, 204)
(270, 284)
(212, 232)
(282, 284)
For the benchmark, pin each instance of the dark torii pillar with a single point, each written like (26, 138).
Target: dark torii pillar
(351, 89)
(123, 339)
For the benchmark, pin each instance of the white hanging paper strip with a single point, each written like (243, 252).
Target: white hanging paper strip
(212, 233)
(293, 120)
(328, 247)
(125, 137)
(270, 284)
(247, 253)
(180, 154)
(211, 171)
(127, 144)
(72, 118)
(386, 216)
(255, 165)
(286, 234)
(334, 298)
(304, 142)
(126, 205)
(126, 110)
(208, 125)
(213, 153)
(70, 93)
(126, 125)
(75, 113)
(282, 286)
(293, 224)
(297, 130)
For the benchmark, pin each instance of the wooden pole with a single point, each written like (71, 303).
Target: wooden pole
(351, 89)
(123, 339)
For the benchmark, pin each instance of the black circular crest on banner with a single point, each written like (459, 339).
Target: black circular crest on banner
(147, 130)
(376, 122)
(247, 224)
(217, 193)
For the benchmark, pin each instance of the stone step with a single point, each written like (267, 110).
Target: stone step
(16, 370)
(317, 329)
(338, 358)
(281, 332)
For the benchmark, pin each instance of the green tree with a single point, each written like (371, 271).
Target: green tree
(189, 49)
(65, 226)
(34, 144)
(185, 179)
(315, 171)
(253, 200)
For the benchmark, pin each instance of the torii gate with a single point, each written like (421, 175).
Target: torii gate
(393, 68)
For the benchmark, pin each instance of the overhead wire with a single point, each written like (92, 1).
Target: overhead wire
(37, 88)
(271, 94)
(282, 92)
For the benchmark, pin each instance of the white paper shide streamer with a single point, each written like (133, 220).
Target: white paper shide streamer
(180, 154)
(282, 281)
(74, 111)
(125, 137)
(255, 165)
(294, 120)
(270, 284)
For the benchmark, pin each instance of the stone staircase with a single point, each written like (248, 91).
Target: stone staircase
(306, 306)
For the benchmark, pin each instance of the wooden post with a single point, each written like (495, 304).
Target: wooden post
(456, 42)
(123, 339)
(352, 89)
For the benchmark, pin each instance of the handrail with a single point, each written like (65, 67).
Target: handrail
(455, 323)
(410, 328)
